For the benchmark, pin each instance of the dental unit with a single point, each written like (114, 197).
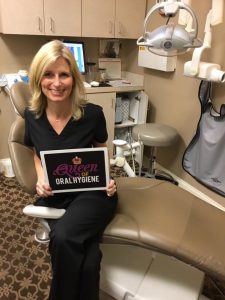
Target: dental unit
(206, 70)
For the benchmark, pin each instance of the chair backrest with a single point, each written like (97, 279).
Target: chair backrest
(21, 155)
(20, 95)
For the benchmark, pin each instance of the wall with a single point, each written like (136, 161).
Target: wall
(174, 97)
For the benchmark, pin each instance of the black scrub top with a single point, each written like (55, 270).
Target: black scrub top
(82, 133)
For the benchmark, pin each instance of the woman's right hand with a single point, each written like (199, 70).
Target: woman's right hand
(43, 189)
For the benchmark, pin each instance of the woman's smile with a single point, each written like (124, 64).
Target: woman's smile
(57, 92)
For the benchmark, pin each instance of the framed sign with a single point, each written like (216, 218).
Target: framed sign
(76, 169)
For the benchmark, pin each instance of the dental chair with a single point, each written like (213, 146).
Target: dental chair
(161, 241)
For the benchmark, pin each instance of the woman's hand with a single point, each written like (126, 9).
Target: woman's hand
(111, 188)
(43, 189)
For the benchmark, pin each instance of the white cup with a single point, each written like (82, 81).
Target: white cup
(7, 167)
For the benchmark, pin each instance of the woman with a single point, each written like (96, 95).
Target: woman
(59, 118)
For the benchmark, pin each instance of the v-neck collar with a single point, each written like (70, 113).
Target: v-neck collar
(52, 128)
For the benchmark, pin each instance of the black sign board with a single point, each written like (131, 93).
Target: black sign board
(76, 169)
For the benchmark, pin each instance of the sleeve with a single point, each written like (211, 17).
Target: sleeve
(27, 139)
(101, 134)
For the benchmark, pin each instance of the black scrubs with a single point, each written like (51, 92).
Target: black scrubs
(74, 239)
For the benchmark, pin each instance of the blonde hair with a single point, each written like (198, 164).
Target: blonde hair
(47, 55)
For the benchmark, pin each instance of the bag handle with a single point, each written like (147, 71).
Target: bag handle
(204, 94)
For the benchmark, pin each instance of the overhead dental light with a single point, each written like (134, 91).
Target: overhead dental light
(170, 39)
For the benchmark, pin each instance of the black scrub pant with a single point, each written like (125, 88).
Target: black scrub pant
(74, 243)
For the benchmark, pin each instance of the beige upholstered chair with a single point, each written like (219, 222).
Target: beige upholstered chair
(174, 237)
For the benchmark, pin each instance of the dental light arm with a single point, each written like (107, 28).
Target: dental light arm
(205, 70)
(217, 12)
(185, 18)
(196, 57)
(170, 10)
(170, 40)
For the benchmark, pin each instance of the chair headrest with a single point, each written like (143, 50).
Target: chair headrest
(20, 95)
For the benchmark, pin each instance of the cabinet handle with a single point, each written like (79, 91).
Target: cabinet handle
(110, 27)
(52, 25)
(39, 24)
(113, 103)
(120, 28)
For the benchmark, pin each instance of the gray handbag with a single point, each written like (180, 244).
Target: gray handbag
(204, 158)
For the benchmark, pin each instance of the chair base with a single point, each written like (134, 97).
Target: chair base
(42, 236)
(159, 174)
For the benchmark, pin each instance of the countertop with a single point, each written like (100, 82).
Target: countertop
(130, 82)
(114, 89)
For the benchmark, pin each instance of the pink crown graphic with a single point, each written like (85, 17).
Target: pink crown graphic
(77, 160)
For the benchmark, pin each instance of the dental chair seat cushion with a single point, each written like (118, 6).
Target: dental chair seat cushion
(155, 135)
(160, 216)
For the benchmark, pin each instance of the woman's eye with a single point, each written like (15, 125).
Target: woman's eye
(48, 74)
(64, 75)
(51, 75)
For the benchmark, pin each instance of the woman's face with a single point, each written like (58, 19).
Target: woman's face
(57, 81)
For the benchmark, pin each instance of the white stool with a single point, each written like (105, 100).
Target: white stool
(155, 135)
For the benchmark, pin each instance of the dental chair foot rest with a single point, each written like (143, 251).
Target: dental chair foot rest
(134, 273)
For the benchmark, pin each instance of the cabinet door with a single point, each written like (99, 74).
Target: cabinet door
(62, 18)
(107, 102)
(98, 18)
(22, 17)
(130, 15)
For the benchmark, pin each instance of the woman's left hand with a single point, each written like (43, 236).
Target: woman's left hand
(111, 188)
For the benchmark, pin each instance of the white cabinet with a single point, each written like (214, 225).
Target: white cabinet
(107, 101)
(62, 17)
(22, 17)
(50, 17)
(129, 20)
(98, 18)
(137, 113)
(113, 18)
(134, 108)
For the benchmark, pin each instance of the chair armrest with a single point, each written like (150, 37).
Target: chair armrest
(43, 212)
